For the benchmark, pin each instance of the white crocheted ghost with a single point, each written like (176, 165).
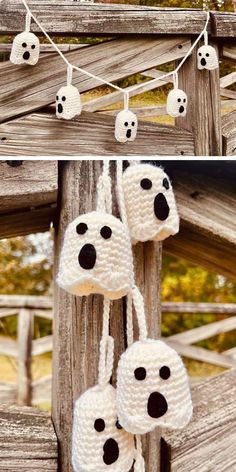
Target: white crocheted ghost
(126, 126)
(96, 257)
(99, 443)
(68, 103)
(177, 102)
(25, 49)
(150, 203)
(152, 388)
(207, 58)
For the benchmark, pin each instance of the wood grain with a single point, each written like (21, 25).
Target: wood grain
(27, 440)
(74, 18)
(208, 443)
(88, 135)
(26, 301)
(224, 24)
(24, 374)
(27, 222)
(21, 92)
(192, 307)
(229, 134)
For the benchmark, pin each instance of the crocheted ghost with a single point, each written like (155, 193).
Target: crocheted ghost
(150, 203)
(96, 257)
(177, 103)
(25, 49)
(68, 103)
(99, 443)
(126, 126)
(152, 388)
(207, 58)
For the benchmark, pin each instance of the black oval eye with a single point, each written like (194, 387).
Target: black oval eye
(99, 425)
(207, 54)
(165, 183)
(184, 100)
(24, 45)
(118, 425)
(81, 228)
(179, 99)
(199, 53)
(133, 123)
(146, 184)
(33, 46)
(164, 372)
(106, 232)
(63, 99)
(57, 98)
(140, 373)
(126, 123)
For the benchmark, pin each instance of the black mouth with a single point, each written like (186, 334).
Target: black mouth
(161, 207)
(59, 108)
(26, 55)
(157, 405)
(111, 451)
(128, 134)
(181, 109)
(87, 257)
(203, 61)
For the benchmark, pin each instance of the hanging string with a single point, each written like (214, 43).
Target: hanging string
(106, 82)
(176, 80)
(69, 74)
(104, 193)
(28, 22)
(106, 358)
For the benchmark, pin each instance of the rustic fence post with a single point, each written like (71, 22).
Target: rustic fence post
(78, 321)
(203, 118)
(25, 335)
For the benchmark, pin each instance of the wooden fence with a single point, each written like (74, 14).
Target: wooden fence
(27, 392)
(141, 40)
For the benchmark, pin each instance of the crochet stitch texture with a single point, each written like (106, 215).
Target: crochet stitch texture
(126, 126)
(207, 58)
(150, 203)
(177, 102)
(68, 102)
(25, 49)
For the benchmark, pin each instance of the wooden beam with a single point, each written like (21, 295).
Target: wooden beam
(27, 222)
(21, 92)
(25, 301)
(208, 442)
(223, 24)
(208, 228)
(29, 185)
(27, 440)
(90, 134)
(73, 19)
(229, 134)
(24, 340)
(192, 307)
(206, 331)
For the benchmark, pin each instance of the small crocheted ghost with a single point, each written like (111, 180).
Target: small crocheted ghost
(152, 388)
(68, 103)
(96, 256)
(25, 49)
(177, 103)
(207, 58)
(150, 203)
(126, 126)
(99, 443)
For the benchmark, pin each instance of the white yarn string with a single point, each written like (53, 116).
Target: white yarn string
(139, 465)
(206, 38)
(176, 80)
(106, 348)
(106, 82)
(69, 74)
(120, 193)
(126, 100)
(28, 22)
(104, 194)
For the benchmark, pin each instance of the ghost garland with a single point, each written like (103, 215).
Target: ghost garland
(26, 48)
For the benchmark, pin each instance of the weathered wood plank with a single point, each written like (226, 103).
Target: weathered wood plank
(208, 442)
(26, 301)
(229, 51)
(27, 221)
(7, 312)
(31, 184)
(228, 79)
(192, 336)
(223, 24)
(27, 440)
(8, 347)
(24, 338)
(206, 207)
(72, 18)
(140, 112)
(191, 307)
(90, 134)
(42, 345)
(229, 134)
(6, 47)
(42, 390)
(8, 393)
(21, 92)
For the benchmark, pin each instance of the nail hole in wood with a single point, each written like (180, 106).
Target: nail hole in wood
(195, 194)
(14, 163)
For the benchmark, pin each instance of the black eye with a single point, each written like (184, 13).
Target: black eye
(207, 54)
(133, 123)
(199, 53)
(164, 372)
(81, 228)
(184, 100)
(63, 99)
(118, 425)
(106, 232)
(146, 184)
(99, 425)
(24, 45)
(57, 98)
(179, 99)
(126, 123)
(33, 46)
(165, 183)
(140, 373)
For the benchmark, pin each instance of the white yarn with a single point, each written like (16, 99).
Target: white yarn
(104, 193)
(177, 102)
(140, 207)
(68, 102)
(25, 49)
(207, 58)
(126, 126)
